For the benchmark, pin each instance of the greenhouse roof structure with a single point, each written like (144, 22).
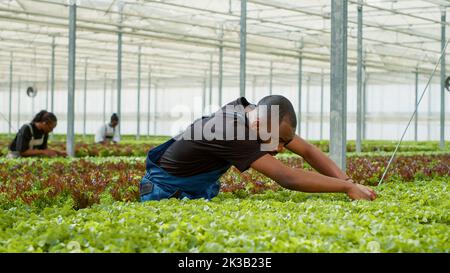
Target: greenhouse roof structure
(180, 39)
(181, 43)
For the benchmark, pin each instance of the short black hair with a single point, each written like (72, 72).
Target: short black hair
(115, 117)
(287, 112)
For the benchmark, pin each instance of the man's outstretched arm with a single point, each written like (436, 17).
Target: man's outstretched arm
(315, 157)
(306, 181)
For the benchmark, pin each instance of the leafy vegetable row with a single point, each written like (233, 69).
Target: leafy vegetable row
(409, 217)
(43, 182)
(141, 147)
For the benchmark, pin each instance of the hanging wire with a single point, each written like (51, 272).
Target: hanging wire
(415, 112)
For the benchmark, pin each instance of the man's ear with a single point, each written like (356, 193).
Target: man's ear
(255, 125)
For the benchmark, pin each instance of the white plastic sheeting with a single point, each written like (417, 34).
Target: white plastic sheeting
(179, 36)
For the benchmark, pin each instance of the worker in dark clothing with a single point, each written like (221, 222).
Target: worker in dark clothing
(31, 140)
(243, 135)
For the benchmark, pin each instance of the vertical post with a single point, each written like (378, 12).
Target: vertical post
(119, 63)
(204, 95)
(104, 99)
(271, 78)
(138, 133)
(10, 91)
(34, 83)
(220, 66)
(243, 47)
(364, 103)
(148, 98)
(359, 84)
(70, 145)
(18, 102)
(321, 104)
(443, 39)
(299, 113)
(429, 114)
(46, 92)
(254, 88)
(32, 106)
(210, 80)
(338, 85)
(416, 110)
(112, 95)
(53, 76)
(155, 120)
(85, 97)
(307, 91)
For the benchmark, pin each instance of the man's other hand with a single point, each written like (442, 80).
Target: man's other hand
(360, 192)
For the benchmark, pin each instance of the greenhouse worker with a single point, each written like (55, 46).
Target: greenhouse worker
(31, 140)
(190, 165)
(107, 132)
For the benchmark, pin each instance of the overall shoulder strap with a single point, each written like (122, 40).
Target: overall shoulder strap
(238, 115)
(31, 129)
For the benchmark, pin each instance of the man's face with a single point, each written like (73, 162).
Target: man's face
(285, 135)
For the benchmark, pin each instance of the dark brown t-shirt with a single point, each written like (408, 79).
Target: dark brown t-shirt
(189, 156)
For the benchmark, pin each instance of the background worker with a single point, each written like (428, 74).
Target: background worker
(31, 140)
(107, 133)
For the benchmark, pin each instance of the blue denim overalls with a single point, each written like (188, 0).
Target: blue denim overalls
(157, 184)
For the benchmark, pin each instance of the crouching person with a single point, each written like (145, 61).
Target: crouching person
(248, 135)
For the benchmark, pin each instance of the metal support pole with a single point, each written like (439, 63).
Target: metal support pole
(32, 107)
(156, 110)
(138, 133)
(113, 87)
(220, 66)
(299, 113)
(148, 98)
(254, 88)
(364, 104)
(416, 98)
(10, 91)
(321, 104)
(204, 95)
(119, 63)
(85, 97)
(429, 114)
(46, 92)
(338, 85)
(443, 39)
(307, 91)
(243, 47)
(104, 99)
(70, 144)
(18, 102)
(359, 83)
(271, 78)
(210, 80)
(53, 77)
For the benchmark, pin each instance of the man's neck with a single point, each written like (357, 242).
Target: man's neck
(252, 114)
(249, 108)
